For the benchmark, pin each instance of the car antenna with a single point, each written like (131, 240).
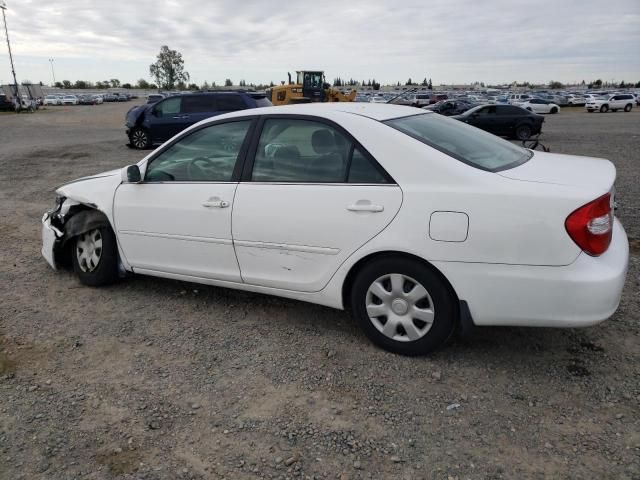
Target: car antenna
(402, 94)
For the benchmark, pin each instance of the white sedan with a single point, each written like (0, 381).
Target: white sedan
(416, 223)
(70, 100)
(52, 100)
(538, 105)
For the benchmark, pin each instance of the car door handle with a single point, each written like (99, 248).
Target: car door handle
(215, 204)
(365, 207)
(181, 117)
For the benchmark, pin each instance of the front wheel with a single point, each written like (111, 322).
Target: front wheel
(554, 110)
(403, 306)
(523, 132)
(604, 108)
(627, 108)
(140, 138)
(95, 257)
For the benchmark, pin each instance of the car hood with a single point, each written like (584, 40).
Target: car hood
(567, 170)
(135, 113)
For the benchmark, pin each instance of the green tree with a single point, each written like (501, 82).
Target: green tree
(228, 83)
(181, 85)
(409, 82)
(58, 85)
(243, 83)
(425, 83)
(127, 86)
(142, 83)
(193, 86)
(81, 84)
(205, 86)
(169, 68)
(430, 87)
(115, 83)
(622, 84)
(554, 85)
(66, 84)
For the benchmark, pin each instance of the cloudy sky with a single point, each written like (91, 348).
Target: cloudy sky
(451, 41)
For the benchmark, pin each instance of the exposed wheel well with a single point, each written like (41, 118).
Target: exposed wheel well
(80, 219)
(355, 269)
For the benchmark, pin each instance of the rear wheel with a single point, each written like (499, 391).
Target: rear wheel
(403, 306)
(628, 107)
(523, 132)
(554, 110)
(95, 257)
(140, 138)
(604, 108)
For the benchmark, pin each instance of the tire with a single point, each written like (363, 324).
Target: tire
(95, 257)
(604, 108)
(628, 107)
(554, 110)
(523, 132)
(140, 138)
(394, 279)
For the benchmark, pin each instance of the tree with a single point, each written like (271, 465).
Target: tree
(205, 85)
(126, 85)
(409, 82)
(115, 83)
(142, 83)
(81, 84)
(555, 85)
(637, 85)
(193, 86)
(228, 83)
(622, 84)
(66, 84)
(169, 68)
(57, 85)
(430, 87)
(425, 83)
(181, 85)
(243, 83)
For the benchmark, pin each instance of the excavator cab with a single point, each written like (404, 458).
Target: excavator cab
(312, 85)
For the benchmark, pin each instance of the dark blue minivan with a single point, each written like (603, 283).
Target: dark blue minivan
(152, 124)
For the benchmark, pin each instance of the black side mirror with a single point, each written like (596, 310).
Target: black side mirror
(133, 174)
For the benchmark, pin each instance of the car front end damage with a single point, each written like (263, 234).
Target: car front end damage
(66, 220)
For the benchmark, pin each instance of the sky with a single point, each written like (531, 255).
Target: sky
(449, 41)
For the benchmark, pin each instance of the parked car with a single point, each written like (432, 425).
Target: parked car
(98, 99)
(577, 100)
(6, 104)
(69, 100)
(151, 124)
(420, 99)
(52, 100)
(621, 101)
(377, 99)
(110, 97)
(417, 223)
(86, 100)
(518, 98)
(504, 120)
(539, 105)
(450, 107)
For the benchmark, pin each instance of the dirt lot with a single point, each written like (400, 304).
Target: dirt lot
(157, 379)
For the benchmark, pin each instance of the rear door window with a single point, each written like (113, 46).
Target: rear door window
(199, 104)
(230, 103)
(170, 106)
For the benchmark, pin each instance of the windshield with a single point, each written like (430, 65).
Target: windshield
(463, 142)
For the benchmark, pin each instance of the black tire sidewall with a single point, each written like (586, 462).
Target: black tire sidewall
(627, 108)
(107, 270)
(444, 303)
(521, 127)
(146, 132)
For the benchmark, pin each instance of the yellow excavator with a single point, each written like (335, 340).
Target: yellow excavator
(309, 87)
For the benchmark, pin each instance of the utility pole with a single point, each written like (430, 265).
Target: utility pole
(3, 7)
(52, 73)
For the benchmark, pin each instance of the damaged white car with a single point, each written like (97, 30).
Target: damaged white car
(416, 223)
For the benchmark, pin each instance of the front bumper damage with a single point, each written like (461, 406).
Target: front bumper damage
(51, 240)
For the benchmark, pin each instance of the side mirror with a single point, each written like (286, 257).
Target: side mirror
(131, 174)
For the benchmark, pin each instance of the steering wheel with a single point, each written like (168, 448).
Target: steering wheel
(195, 168)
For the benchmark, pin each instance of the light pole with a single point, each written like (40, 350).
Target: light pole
(52, 72)
(3, 7)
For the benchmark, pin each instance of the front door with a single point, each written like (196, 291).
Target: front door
(178, 220)
(166, 119)
(313, 197)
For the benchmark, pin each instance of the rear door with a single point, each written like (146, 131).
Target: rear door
(310, 197)
(198, 107)
(507, 117)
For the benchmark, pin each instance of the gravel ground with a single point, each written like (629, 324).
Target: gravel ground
(157, 379)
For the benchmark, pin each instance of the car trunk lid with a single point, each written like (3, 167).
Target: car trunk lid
(595, 174)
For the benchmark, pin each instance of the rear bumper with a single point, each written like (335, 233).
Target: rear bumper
(582, 294)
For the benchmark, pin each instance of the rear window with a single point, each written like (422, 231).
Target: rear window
(263, 102)
(467, 144)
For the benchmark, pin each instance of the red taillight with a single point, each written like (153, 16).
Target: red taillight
(591, 225)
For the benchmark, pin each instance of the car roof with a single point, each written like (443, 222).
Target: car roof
(375, 111)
